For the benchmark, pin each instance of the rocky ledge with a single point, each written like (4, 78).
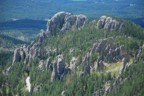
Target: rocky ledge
(65, 21)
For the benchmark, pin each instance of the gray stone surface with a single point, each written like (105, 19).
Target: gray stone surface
(64, 21)
(109, 24)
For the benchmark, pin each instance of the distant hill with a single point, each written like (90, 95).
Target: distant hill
(41, 9)
(24, 29)
(8, 42)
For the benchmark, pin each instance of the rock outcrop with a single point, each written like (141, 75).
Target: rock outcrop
(16, 57)
(109, 24)
(109, 51)
(26, 53)
(64, 21)
(58, 68)
(61, 21)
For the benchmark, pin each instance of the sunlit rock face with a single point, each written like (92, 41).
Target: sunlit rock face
(65, 21)
(109, 24)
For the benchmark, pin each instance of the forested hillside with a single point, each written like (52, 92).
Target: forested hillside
(78, 57)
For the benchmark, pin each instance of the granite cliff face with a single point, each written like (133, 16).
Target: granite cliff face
(64, 21)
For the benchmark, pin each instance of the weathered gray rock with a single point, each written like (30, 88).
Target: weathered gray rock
(64, 21)
(101, 22)
(17, 56)
(108, 49)
(25, 53)
(61, 21)
(109, 24)
(58, 68)
(60, 65)
(57, 21)
(69, 22)
(80, 21)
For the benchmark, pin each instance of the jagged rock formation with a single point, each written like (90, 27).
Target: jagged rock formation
(64, 21)
(109, 50)
(58, 68)
(61, 21)
(26, 53)
(109, 24)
